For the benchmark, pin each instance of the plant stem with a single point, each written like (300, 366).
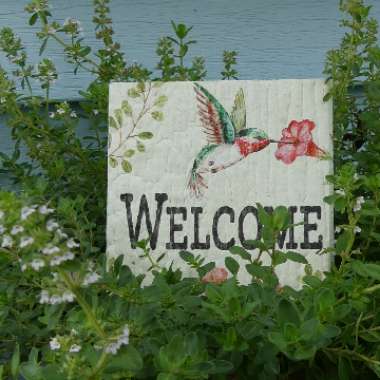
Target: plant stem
(83, 304)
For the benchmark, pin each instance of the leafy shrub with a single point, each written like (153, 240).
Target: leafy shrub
(66, 314)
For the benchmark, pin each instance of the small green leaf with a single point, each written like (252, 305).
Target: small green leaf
(119, 116)
(296, 257)
(133, 93)
(113, 123)
(236, 250)
(366, 269)
(287, 313)
(126, 165)
(145, 135)
(161, 101)
(15, 361)
(113, 162)
(157, 115)
(140, 147)
(33, 19)
(232, 265)
(186, 256)
(129, 153)
(126, 107)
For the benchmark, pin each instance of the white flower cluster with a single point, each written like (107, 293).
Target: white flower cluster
(55, 345)
(73, 24)
(122, 339)
(357, 230)
(55, 299)
(91, 278)
(340, 192)
(358, 204)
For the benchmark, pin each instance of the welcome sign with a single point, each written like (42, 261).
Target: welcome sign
(189, 161)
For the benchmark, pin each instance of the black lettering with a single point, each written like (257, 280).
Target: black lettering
(306, 210)
(197, 244)
(219, 244)
(172, 211)
(134, 233)
(247, 210)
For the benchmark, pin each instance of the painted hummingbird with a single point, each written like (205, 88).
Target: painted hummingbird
(228, 139)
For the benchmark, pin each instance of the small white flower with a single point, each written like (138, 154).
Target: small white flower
(2, 214)
(2, 229)
(61, 234)
(340, 192)
(51, 225)
(17, 229)
(68, 296)
(51, 30)
(7, 242)
(44, 297)
(91, 278)
(26, 211)
(2, 100)
(56, 260)
(23, 267)
(55, 300)
(75, 348)
(338, 229)
(358, 205)
(356, 177)
(68, 256)
(37, 264)
(51, 115)
(44, 210)
(71, 243)
(60, 111)
(95, 112)
(50, 250)
(25, 241)
(54, 344)
(73, 114)
(112, 348)
(357, 230)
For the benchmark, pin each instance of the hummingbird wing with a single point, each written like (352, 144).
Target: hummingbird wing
(253, 133)
(216, 122)
(238, 114)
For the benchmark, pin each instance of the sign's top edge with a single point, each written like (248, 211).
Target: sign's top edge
(235, 80)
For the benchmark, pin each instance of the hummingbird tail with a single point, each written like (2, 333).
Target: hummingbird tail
(196, 183)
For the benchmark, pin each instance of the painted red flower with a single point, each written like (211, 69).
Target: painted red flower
(215, 276)
(297, 140)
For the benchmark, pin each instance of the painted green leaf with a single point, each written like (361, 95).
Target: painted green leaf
(129, 153)
(126, 107)
(133, 93)
(140, 147)
(161, 100)
(119, 116)
(140, 87)
(113, 123)
(113, 162)
(126, 165)
(157, 115)
(145, 135)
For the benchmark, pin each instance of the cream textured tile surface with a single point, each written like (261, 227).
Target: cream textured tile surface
(165, 165)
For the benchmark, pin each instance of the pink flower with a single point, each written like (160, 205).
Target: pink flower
(215, 276)
(297, 140)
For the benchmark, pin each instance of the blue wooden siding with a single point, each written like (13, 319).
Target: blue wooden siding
(274, 38)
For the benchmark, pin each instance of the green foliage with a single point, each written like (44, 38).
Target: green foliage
(68, 314)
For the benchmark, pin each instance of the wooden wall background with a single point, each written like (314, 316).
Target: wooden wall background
(274, 38)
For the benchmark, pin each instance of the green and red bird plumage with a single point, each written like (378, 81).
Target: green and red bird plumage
(229, 141)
